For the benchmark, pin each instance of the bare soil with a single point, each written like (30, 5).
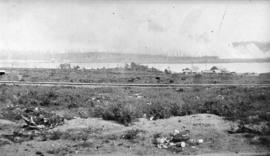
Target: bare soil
(108, 140)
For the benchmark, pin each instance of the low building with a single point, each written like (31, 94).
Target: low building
(187, 71)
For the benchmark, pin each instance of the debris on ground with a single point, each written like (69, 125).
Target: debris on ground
(36, 123)
(256, 133)
(261, 128)
(132, 134)
(4, 142)
(34, 117)
(176, 141)
(100, 97)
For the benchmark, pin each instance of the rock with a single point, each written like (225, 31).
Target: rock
(144, 116)
(161, 140)
(176, 132)
(200, 141)
(183, 144)
(39, 153)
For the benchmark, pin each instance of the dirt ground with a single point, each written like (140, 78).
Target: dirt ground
(107, 138)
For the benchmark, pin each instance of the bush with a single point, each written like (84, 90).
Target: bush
(72, 134)
(161, 109)
(158, 111)
(167, 71)
(120, 112)
(131, 134)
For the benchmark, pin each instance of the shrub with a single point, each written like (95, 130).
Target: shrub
(158, 111)
(120, 112)
(161, 109)
(131, 134)
(167, 71)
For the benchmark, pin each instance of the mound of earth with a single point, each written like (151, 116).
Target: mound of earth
(109, 138)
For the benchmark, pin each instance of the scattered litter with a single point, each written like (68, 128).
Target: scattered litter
(176, 141)
(176, 132)
(99, 98)
(179, 90)
(200, 141)
(39, 119)
(246, 128)
(36, 123)
(197, 98)
(144, 116)
(138, 95)
(181, 136)
(183, 144)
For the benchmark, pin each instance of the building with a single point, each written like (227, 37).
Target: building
(187, 71)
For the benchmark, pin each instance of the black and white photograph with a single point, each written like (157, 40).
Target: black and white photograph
(134, 77)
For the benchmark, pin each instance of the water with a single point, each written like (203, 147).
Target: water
(233, 67)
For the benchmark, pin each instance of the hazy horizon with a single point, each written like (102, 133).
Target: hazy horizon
(193, 28)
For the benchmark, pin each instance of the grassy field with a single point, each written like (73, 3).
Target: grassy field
(126, 104)
(132, 73)
(108, 120)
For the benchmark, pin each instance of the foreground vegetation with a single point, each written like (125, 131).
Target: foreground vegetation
(124, 105)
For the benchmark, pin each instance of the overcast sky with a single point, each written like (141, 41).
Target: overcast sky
(160, 27)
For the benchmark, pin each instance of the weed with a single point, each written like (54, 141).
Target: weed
(131, 134)
(120, 112)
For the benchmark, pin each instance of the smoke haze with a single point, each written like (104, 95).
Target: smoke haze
(183, 28)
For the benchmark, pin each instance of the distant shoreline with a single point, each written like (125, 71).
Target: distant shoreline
(146, 62)
(242, 67)
(96, 57)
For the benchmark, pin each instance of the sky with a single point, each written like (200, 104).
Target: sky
(195, 28)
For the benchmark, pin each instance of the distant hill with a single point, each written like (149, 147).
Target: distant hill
(263, 46)
(145, 58)
(127, 58)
